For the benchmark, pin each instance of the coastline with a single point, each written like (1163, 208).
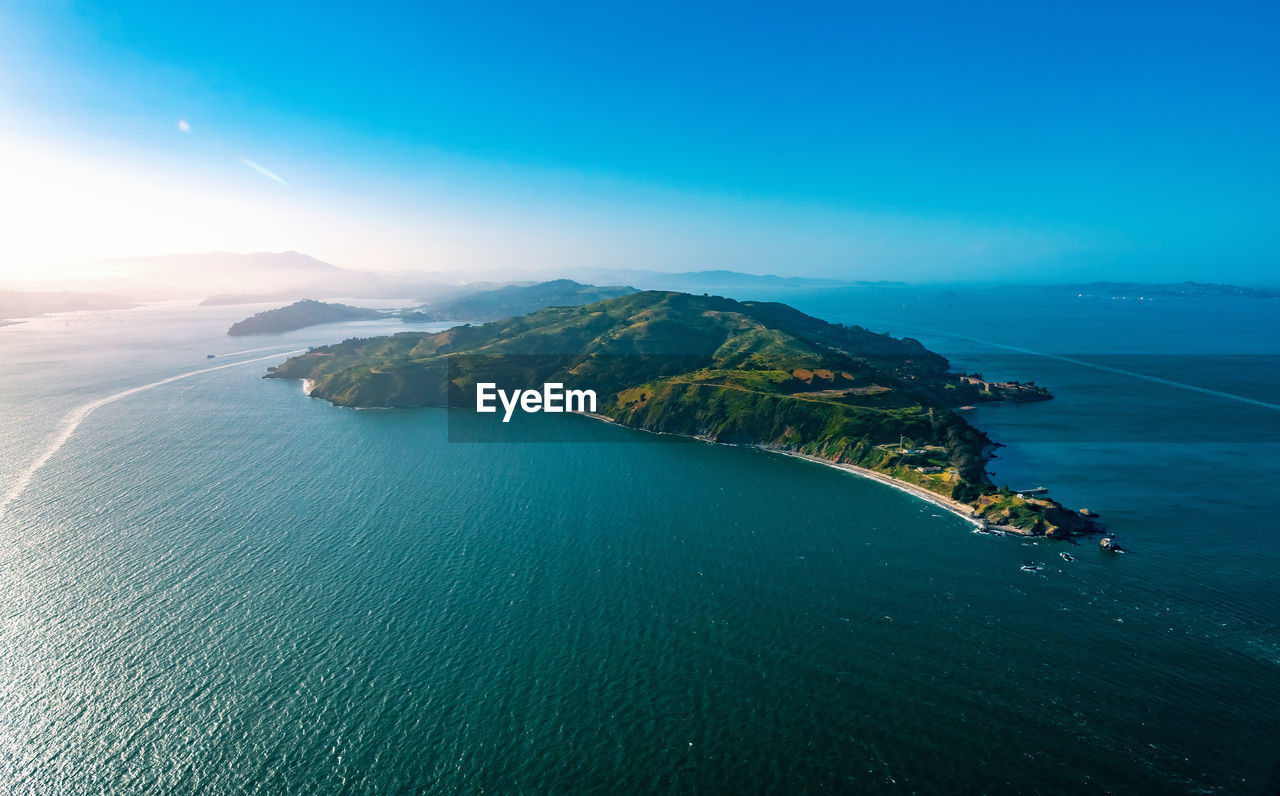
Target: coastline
(961, 510)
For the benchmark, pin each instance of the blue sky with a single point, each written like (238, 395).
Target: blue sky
(907, 140)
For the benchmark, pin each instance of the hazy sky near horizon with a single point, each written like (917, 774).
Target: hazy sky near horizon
(916, 141)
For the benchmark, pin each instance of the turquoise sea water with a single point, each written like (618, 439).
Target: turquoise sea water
(218, 585)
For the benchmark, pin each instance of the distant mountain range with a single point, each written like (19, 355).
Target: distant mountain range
(702, 281)
(222, 278)
(230, 278)
(229, 264)
(260, 277)
(482, 302)
(492, 303)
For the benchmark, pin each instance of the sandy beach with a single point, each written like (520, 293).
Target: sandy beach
(954, 506)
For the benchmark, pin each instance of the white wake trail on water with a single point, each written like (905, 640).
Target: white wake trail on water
(76, 416)
(251, 351)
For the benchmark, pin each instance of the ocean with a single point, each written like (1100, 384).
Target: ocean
(215, 584)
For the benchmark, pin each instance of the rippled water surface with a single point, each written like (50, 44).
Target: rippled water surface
(218, 585)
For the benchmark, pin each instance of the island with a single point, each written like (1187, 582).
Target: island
(300, 315)
(507, 301)
(747, 373)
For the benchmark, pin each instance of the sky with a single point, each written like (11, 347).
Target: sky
(914, 141)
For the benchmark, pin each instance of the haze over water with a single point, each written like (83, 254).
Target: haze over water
(219, 584)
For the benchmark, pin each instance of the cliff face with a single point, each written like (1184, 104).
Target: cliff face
(742, 372)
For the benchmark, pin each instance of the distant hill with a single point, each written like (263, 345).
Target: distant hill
(214, 272)
(300, 315)
(24, 304)
(510, 300)
(225, 278)
(756, 373)
(232, 299)
(229, 263)
(231, 278)
(710, 281)
(409, 291)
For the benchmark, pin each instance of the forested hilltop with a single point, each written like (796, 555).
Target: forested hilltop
(743, 372)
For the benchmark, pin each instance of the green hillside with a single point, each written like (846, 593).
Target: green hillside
(742, 372)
